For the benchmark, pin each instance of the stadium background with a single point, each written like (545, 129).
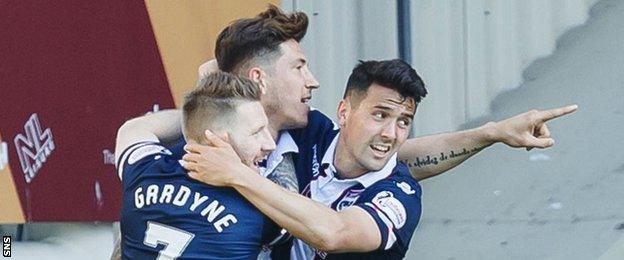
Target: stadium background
(80, 69)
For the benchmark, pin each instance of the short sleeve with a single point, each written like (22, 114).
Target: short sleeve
(396, 208)
(138, 156)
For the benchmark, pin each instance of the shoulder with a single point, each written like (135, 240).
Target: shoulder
(399, 182)
(398, 197)
(394, 203)
(142, 155)
(319, 125)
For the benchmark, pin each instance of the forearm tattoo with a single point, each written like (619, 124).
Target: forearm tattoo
(430, 160)
(284, 174)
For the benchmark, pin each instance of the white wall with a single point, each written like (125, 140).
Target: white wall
(341, 33)
(467, 51)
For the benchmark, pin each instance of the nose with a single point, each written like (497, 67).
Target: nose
(389, 131)
(310, 80)
(268, 144)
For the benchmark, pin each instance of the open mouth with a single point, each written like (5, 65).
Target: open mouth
(305, 99)
(258, 161)
(380, 150)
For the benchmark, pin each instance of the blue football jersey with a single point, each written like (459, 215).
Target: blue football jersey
(395, 205)
(392, 200)
(167, 215)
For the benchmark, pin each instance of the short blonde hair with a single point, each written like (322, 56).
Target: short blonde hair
(212, 104)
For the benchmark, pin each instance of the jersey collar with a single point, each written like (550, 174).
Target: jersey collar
(285, 144)
(366, 179)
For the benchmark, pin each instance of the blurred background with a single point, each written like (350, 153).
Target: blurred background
(72, 72)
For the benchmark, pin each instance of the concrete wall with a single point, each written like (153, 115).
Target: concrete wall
(466, 51)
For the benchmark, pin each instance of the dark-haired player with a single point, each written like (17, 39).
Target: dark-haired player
(365, 205)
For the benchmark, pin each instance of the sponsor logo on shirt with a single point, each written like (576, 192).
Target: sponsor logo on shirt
(406, 188)
(147, 150)
(391, 207)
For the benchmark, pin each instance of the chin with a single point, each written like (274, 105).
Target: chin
(299, 122)
(373, 166)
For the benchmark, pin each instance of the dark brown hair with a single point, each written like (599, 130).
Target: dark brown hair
(258, 38)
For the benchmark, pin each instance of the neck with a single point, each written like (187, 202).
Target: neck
(345, 163)
(274, 128)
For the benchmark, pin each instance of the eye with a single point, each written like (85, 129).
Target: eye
(378, 115)
(404, 123)
(257, 132)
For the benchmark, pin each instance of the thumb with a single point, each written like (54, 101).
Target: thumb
(542, 142)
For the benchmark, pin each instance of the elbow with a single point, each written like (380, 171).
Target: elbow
(329, 244)
(334, 239)
(128, 126)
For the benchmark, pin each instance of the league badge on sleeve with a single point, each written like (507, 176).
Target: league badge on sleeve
(391, 207)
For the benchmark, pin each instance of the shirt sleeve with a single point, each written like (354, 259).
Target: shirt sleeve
(137, 156)
(396, 208)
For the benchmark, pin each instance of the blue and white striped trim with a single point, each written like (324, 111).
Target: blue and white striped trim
(136, 152)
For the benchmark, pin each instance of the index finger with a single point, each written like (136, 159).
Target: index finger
(214, 140)
(196, 148)
(556, 112)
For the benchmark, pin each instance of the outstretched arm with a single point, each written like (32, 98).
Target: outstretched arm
(431, 155)
(352, 229)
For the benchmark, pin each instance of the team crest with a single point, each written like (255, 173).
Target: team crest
(348, 199)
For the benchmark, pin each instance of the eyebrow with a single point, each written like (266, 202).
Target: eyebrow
(382, 107)
(300, 60)
(257, 129)
(411, 116)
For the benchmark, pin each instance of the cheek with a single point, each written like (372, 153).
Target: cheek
(402, 135)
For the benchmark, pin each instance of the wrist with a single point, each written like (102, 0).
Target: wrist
(240, 175)
(489, 133)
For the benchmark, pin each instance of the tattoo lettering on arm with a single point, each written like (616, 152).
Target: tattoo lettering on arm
(430, 160)
(284, 174)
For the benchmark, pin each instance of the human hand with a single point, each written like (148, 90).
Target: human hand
(528, 129)
(208, 67)
(215, 163)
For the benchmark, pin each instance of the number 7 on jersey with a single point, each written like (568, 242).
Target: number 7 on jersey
(174, 239)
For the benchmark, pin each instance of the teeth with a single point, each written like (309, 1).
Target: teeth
(381, 148)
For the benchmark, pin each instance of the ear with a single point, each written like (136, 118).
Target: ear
(344, 109)
(256, 74)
